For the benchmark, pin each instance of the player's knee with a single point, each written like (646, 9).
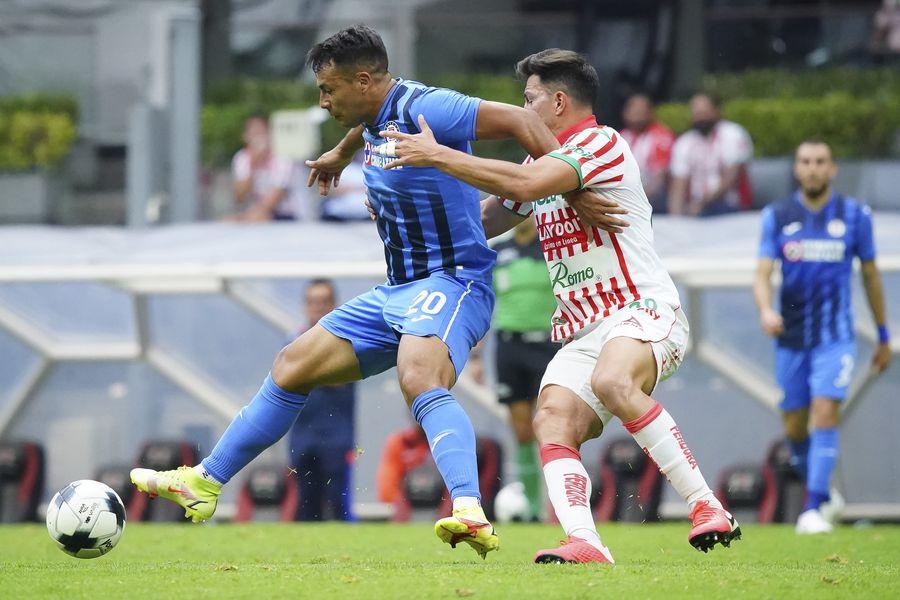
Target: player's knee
(285, 370)
(796, 426)
(613, 390)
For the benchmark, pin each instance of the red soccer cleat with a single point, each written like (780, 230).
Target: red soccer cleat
(711, 526)
(574, 550)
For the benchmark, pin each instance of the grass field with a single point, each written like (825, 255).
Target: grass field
(407, 561)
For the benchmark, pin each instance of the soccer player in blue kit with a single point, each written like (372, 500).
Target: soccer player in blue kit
(815, 235)
(433, 309)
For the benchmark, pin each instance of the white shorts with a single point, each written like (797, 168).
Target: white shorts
(665, 327)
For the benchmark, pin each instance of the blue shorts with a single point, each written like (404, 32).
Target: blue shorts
(822, 371)
(457, 311)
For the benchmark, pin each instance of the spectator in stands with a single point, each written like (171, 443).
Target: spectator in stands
(709, 164)
(815, 235)
(651, 143)
(404, 451)
(322, 443)
(346, 202)
(264, 185)
(886, 35)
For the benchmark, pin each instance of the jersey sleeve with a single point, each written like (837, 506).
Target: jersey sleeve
(768, 245)
(597, 155)
(449, 114)
(523, 209)
(240, 166)
(865, 244)
(679, 165)
(737, 149)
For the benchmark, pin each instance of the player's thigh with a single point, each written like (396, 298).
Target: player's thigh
(457, 312)
(639, 345)
(564, 417)
(831, 370)
(792, 371)
(570, 371)
(362, 323)
(423, 363)
(318, 357)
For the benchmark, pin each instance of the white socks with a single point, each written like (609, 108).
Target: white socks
(657, 433)
(569, 488)
(204, 474)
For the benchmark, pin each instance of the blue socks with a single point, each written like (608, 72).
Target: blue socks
(451, 438)
(823, 451)
(799, 456)
(259, 425)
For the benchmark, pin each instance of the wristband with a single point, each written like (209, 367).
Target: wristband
(883, 335)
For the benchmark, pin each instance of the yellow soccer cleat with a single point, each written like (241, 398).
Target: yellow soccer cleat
(468, 525)
(182, 486)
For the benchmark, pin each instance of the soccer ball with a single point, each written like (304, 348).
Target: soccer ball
(511, 504)
(86, 518)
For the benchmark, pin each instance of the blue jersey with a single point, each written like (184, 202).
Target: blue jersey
(816, 251)
(429, 221)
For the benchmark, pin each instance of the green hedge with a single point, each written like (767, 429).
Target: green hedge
(854, 126)
(858, 111)
(36, 131)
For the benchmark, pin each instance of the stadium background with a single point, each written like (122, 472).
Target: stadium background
(128, 313)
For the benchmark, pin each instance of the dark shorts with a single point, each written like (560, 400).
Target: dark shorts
(521, 360)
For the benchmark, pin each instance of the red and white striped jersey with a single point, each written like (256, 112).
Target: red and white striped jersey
(594, 273)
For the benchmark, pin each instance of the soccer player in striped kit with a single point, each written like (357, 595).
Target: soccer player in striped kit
(435, 305)
(815, 235)
(618, 313)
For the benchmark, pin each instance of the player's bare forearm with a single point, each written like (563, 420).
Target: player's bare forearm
(678, 195)
(497, 219)
(505, 121)
(874, 291)
(770, 321)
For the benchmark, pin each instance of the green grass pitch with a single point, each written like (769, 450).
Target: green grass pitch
(408, 561)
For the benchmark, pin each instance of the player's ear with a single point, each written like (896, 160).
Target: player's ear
(363, 80)
(561, 100)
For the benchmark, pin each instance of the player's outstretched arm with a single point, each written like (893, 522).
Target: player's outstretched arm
(499, 121)
(497, 219)
(521, 183)
(875, 295)
(327, 169)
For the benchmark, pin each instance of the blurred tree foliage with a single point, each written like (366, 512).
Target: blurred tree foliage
(856, 110)
(36, 131)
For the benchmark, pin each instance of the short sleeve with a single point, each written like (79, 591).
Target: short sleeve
(768, 244)
(449, 114)
(737, 147)
(680, 166)
(523, 209)
(865, 245)
(597, 155)
(240, 166)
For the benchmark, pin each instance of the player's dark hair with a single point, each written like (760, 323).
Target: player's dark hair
(568, 70)
(816, 140)
(359, 46)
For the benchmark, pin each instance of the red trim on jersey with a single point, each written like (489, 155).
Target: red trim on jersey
(603, 150)
(644, 420)
(551, 452)
(604, 167)
(615, 179)
(603, 297)
(585, 123)
(577, 304)
(624, 267)
(615, 290)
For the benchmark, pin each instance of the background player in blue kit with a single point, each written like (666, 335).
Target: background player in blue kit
(435, 305)
(815, 234)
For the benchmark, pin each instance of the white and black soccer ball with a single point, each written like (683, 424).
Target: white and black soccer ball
(511, 503)
(86, 518)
